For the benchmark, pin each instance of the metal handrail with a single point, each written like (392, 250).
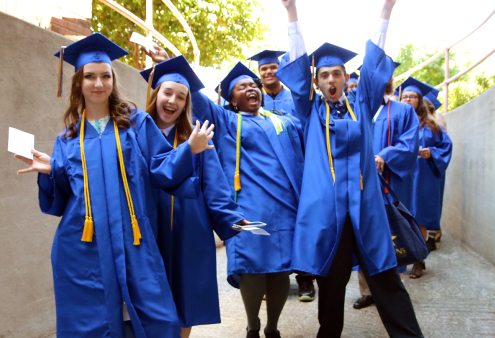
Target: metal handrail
(150, 30)
(446, 52)
(188, 30)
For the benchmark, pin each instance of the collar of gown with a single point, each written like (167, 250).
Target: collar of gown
(167, 130)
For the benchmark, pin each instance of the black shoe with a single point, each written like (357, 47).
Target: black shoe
(363, 302)
(430, 243)
(306, 289)
(254, 333)
(273, 334)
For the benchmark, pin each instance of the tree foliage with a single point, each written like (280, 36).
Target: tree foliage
(461, 91)
(222, 28)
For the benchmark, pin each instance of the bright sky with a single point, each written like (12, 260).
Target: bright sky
(350, 23)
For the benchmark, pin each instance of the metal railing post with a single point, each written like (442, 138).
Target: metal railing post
(447, 76)
(149, 23)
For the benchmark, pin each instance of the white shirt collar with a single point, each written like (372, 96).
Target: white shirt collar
(167, 130)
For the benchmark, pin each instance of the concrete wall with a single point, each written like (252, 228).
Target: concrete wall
(469, 208)
(28, 86)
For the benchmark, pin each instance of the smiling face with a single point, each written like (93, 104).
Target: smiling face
(246, 96)
(331, 81)
(97, 83)
(170, 103)
(267, 75)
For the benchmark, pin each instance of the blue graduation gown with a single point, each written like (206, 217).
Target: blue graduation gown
(93, 279)
(188, 245)
(400, 157)
(282, 102)
(427, 198)
(271, 167)
(324, 205)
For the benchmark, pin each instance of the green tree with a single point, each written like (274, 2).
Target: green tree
(222, 28)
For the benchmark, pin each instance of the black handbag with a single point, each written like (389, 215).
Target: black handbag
(410, 245)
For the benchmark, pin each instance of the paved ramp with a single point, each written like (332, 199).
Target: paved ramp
(455, 298)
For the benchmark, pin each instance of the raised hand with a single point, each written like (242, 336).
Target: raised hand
(40, 163)
(198, 141)
(159, 55)
(290, 5)
(387, 8)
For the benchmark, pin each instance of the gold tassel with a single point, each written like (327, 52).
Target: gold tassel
(312, 79)
(135, 230)
(400, 93)
(88, 231)
(60, 73)
(237, 181)
(219, 94)
(361, 176)
(150, 81)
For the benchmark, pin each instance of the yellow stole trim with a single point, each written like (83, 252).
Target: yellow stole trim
(172, 199)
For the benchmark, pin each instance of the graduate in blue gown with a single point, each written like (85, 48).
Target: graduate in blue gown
(352, 83)
(434, 157)
(277, 97)
(396, 146)
(340, 212)
(101, 179)
(185, 231)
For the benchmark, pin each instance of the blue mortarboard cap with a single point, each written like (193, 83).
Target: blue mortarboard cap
(353, 78)
(328, 55)
(266, 56)
(397, 64)
(95, 48)
(413, 85)
(176, 69)
(432, 97)
(237, 73)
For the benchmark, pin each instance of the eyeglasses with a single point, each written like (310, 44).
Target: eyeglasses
(409, 97)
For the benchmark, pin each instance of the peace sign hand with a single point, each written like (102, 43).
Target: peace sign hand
(40, 163)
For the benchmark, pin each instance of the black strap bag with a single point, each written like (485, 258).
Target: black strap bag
(410, 245)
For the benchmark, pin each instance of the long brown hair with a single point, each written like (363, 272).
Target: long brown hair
(120, 108)
(431, 117)
(183, 124)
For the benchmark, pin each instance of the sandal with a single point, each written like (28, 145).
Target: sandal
(417, 270)
(438, 237)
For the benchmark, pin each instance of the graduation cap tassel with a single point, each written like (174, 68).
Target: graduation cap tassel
(219, 94)
(312, 78)
(400, 93)
(150, 82)
(60, 73)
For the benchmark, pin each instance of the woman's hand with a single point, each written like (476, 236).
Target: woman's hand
(290, 5)
(40, 163)
(380, 163)
(243, 222)
(198, 141)
(425, 153)
(387, 8)
(159, 55)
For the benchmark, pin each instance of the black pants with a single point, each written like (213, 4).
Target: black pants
(391, 298)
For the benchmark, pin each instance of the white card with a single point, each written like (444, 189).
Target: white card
(20, 143)
(143, 41)
(259, 231)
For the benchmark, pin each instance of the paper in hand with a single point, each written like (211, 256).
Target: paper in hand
(255, 230)
(143, 41)
(20, 143)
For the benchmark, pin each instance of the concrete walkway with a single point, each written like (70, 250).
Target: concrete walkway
(454, 298)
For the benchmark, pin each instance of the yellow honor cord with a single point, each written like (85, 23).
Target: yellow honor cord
(329, 149)
(88, 222)
(135, 226)
(172, 196)
(237, 177)
(150, 82)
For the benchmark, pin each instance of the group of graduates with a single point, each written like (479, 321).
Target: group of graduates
(140, 192)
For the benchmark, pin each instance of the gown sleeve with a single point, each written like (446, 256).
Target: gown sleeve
(223, 211)
(205, 109)
(170, 169)
(55, 189)
(441, 153)
(402, 156)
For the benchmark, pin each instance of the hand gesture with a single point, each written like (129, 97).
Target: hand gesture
(158, 55)
(40, 163)
(380, 163)
(288, 3)
(425, 153)
(198, 141)
(243, 222)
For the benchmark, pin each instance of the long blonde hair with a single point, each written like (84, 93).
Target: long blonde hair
(183, 124)
(120, 108)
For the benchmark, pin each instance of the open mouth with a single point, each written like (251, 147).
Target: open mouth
(252, 98)
(169, 111)
(333, 90)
